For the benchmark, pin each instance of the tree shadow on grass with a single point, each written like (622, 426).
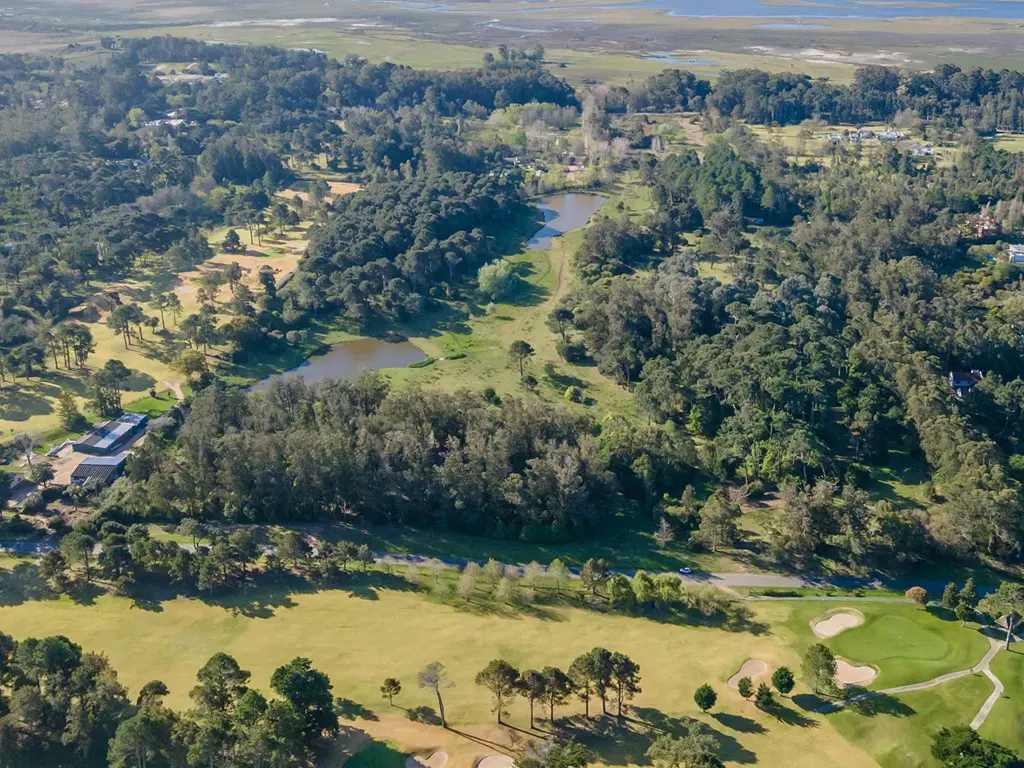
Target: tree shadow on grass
(21, 584)
(811, 702)
(789, 716)
(485, 607)
(264, 594)
(731, 750)
(377, 754)
(351, 710)
(562, 381)
(738, 723)
(882, 704)
(84, 594)
(735, 618)
(423, 714)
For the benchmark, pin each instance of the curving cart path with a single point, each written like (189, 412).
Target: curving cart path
(983, 667)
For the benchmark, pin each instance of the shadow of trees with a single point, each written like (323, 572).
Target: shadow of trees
(21, 584)
(423, 714)
(738, 723)
(626, 740)
(351, 710)
(261, 595)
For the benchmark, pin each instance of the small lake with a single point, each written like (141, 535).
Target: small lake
(350, 358)
(563, 213)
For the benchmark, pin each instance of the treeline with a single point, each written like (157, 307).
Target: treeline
(985, 100)
(300, 452)
(511, 77)
(63, 706)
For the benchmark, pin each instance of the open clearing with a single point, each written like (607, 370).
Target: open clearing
(837, 621)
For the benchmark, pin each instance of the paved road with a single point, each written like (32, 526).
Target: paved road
(753, 580)
(727, 580)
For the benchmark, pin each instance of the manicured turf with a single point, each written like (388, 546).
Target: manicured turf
(909, 645)
(361, 636)
(1005, 723)
(897, 731)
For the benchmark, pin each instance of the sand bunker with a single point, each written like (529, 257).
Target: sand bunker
(436, 760)
(496, 761)
(836, 622)
(852, 674)
(752, 668)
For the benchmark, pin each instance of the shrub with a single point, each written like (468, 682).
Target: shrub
(497, 279)
(782, 679)
(745, 687)
(705, 697)
(574, 352)
(491, 396)
(34, 504)
(918, 594)
(422, 363)
(574, 394)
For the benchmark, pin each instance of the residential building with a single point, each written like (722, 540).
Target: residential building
(963, 382)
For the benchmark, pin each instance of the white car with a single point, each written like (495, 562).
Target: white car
(685, 571)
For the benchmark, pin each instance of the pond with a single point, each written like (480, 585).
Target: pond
(350, 358)
(563, 213)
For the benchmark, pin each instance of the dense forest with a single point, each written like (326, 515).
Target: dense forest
(402, 241)
(833, 343)
(299, 452)
(981, 99)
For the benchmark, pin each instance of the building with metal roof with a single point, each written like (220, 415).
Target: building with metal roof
(104, 469)
(112, 435)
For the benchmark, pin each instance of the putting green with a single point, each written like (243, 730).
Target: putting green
(909, 645)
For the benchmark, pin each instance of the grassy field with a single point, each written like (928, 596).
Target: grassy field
(897, 730)
(483, 337)
(1006, 723)
(382, 626)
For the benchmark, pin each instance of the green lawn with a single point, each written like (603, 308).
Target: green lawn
(381, 627)
(1005, 724)
(897, 731)
(153, 406)
(909, 645)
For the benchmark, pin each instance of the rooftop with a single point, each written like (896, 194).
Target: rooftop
(110, 433)
(103, 468)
